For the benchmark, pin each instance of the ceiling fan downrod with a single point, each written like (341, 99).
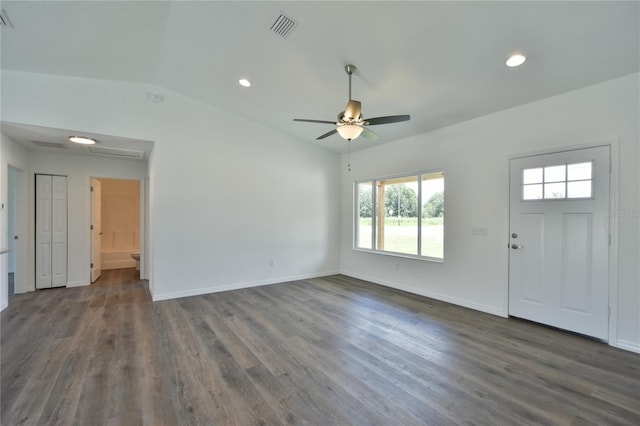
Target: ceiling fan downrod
(350, 69)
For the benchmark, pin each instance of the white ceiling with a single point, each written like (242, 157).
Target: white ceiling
(441, 62)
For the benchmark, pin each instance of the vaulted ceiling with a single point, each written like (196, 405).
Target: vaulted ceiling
(440, 62)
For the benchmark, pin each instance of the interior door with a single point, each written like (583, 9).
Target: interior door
(43, 231)
(559, 240)
(96, 229)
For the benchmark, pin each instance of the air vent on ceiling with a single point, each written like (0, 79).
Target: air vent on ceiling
(116, 152)
(282, 25)
(49, 144)
(4, 19)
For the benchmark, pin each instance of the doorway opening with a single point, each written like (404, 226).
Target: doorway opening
(115, 225)
(11, 230)
(16, 232)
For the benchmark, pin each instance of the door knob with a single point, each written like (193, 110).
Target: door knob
(516, 246)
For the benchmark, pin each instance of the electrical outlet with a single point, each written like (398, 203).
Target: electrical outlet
(478, 231)
(272, 263)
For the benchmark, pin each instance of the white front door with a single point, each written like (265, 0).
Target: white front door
(559, 240)
(96, 229)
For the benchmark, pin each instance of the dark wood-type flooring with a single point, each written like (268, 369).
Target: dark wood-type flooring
(325, 351)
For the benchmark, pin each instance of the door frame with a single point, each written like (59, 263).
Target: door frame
(19, 206)
(92, 197)
(613, 145)
(143, 215)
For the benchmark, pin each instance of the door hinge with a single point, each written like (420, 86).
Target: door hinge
(92, 266)
(92, 189)
(91, 227)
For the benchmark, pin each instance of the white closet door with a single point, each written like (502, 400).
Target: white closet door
(59, 232)
(51, 231)
(43, 231)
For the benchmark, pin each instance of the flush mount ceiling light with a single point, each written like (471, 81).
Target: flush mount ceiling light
(82, 140)
(516, 60)
(349, 131)
(244, 82)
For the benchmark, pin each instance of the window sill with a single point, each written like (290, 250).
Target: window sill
(403, 255)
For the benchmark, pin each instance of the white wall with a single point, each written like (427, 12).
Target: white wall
(474, 156)
(227, 195)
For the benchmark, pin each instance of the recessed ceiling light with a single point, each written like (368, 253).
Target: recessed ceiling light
(82, 140)
(244, 82)
(516, 60)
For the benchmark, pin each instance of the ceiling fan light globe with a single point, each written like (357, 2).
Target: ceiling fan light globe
(349, 131)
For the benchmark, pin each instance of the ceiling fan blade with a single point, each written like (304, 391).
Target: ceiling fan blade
(353, 110)
(369, 134)
(314, 121)
(327, 134)
(388, 119)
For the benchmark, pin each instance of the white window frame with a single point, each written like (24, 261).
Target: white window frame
(566, 181)
(356, 215)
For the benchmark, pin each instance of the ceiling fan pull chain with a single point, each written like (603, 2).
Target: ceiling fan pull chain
(349, 153)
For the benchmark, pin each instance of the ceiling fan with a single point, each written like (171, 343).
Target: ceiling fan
(350, 123)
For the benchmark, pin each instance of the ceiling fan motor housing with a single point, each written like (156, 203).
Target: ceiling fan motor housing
(352, 113)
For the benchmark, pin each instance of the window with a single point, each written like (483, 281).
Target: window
(402, 215)
(565, 181)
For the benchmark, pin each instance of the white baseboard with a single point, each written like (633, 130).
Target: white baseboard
(628, 346)
(77, 284)
(4, 306)
(237, 286)
(433, 295)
